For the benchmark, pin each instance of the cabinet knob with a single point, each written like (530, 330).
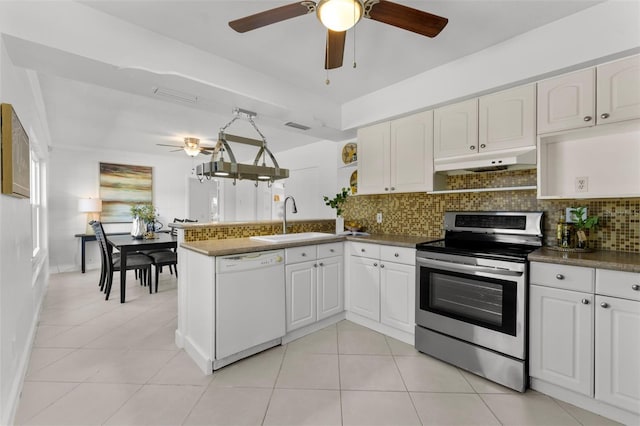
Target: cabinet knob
(304, 255)
(362, 250)
(393, 188)
(315, 265)
(588, 118)
(605, 115)
(375, 264)
(559, 277)
(635, 287)
(604, 305)
(483, 146)
(386, 189)
(585, 301)
(382, 265)
(396, 254)
(331, 250)
(472, 147)
(321, 264)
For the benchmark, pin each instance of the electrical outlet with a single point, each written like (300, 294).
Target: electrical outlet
(582, 184)
(570, 216)
(379, 217)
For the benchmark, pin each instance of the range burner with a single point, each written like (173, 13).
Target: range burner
(486, 250)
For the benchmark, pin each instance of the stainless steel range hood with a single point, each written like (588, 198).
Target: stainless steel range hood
(518, 158)
(258, 171)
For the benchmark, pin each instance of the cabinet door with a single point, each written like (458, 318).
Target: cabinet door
(455, 129)
(561, 338)
(373, 159)
(364, 279)
(397, 296)
(507, 119)
(618, 352)
(301, 294)
(567, 102)
(618, 90)
(412, 153)
(330, 287)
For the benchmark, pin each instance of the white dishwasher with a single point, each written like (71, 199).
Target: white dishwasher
(250, 302)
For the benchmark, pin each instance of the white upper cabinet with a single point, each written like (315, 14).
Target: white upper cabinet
(618, 91)
(567, 102)
(605, 94)
(507, 119)
(396, 156)
(455, 129)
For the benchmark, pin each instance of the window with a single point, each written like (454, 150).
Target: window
(36, 205)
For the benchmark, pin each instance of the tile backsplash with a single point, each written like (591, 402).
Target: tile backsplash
(421, 214)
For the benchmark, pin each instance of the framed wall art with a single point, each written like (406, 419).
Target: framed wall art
(15, 154)
(121, 187)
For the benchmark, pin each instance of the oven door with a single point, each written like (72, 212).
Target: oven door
(481, 301)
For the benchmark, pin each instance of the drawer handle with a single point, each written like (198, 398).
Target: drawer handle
(559, 277)
(635, 287)
(604, 305)
(375, 264)
(397, 254)
(585, 301)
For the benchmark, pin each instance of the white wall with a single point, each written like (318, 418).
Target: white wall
(22, 285)
(607, 29)
(312, 174)
(75, 174)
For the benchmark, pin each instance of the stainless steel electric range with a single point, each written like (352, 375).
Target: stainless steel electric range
(471, 293)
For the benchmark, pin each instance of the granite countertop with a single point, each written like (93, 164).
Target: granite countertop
(247, 245)
(620, 261)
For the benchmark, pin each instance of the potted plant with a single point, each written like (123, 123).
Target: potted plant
(336, 203)
(144, 216)
(582, 223)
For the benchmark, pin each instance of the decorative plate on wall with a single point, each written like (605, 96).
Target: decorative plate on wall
(350, 153)
(353, 182)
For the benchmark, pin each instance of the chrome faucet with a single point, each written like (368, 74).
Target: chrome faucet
(284, 218)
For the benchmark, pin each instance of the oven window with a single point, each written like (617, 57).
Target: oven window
(482, 301)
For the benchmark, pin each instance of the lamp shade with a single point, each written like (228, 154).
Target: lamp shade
(339, 15)
(90, 205)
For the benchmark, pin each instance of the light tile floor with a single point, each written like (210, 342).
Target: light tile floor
(100, 362)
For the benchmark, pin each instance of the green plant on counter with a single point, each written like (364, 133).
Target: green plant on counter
(338, 201)
(581, 222)
(146, 212)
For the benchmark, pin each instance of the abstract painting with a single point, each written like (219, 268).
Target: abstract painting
(123, 186)
(15, 154)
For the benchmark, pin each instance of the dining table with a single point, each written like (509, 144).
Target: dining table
(127, 244)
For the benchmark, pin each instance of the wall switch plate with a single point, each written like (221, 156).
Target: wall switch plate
(570, 216)
(379, 217)
(582, 184)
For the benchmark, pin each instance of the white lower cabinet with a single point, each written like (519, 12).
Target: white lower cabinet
(314, 284)
(585, 337)
(561, 335)
(382, 284)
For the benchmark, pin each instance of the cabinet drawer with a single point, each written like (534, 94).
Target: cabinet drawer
(364, 249)
(618, 284)
(563, 276)
(331, 249)
(299, 254)
(398, 254)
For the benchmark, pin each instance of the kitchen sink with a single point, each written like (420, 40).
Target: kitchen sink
(284, 238)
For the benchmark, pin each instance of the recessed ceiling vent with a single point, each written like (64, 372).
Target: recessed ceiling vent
(297, 126)
(175, 95)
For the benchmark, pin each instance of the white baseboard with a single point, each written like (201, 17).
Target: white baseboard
(199, 357)
(585, 402)
(403, 336)
(301, 332)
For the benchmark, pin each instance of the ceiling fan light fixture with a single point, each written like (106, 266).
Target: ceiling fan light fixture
(339, 15)
(192, 146)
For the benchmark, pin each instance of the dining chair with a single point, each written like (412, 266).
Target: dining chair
(111, 262)
(164, 258)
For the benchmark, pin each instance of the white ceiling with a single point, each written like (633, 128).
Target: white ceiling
(82, 94)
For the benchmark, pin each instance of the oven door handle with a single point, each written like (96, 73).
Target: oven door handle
(462, 267)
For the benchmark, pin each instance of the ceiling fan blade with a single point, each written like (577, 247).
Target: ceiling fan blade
(407, 18)
(271, 16)
(163, 144)
(206, 152)
(176, 150)
(335, 49)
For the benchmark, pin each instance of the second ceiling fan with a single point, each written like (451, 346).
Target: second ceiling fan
(340, 15)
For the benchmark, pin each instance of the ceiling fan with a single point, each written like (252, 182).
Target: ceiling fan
(340, 15)
(191, 147)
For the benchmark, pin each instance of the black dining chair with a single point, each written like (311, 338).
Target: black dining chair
(111, 262)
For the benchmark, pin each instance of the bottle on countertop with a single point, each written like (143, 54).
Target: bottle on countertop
(560, 227)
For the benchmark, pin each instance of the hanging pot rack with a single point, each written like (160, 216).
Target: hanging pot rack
(259, 171)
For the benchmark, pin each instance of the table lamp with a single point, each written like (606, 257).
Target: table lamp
(91, 206)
